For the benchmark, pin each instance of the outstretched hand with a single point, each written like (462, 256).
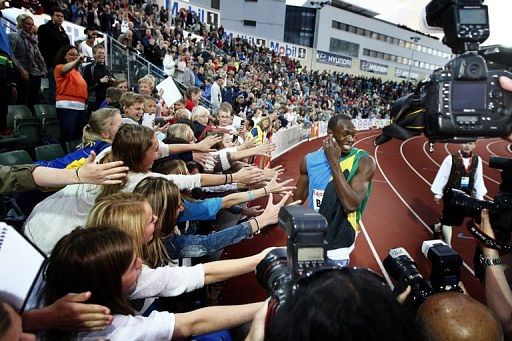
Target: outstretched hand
(506, 84)
(109, 173)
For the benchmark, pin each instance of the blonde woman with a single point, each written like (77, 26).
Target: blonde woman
(97, 135)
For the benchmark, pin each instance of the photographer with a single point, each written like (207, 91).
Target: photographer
(350, 304)
(462, 171)
(497, 290)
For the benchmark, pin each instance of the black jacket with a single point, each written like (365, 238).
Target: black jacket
(51, 39)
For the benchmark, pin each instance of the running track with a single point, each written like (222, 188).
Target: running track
(398, 214)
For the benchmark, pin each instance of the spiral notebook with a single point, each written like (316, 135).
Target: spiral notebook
(20, 265)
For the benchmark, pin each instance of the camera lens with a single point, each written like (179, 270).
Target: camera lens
(272, 269)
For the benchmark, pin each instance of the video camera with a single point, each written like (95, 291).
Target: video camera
(463, 100)
(444, 275)
(306, 252)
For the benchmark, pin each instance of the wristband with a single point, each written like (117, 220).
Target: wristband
(257, 225)
(76, 173)
(266, 193)
(251, 195)
(485, 262)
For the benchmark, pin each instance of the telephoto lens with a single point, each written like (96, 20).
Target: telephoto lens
(400, 265)
(273, 274)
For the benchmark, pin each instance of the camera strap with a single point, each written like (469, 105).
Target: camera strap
(484, 240)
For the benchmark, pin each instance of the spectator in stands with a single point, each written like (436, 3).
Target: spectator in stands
(113, 95)
(350, 304)
(28, 60)
(457, 316)
(106, 20)
(189, 79)
(168, 62)
(216, 93)
(110, 269)
(133, 107)
(71, 93)
(127, 39)
(228, 92)
(97, 135)
(200, 117)
(52, 37)
(146, 85)
(122, 84)
(192, 97)
(86, 47)
(153, 53)
(98, 77)
(7, 77)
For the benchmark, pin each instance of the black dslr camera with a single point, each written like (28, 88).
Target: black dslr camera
(463, 100)
(305, 252)
(444, 275)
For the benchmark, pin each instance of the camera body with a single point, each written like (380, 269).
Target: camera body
(465, 100)
(305, 253)
(444, 276)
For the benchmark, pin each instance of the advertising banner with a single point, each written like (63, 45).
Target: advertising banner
(333, 59)
(368, 66)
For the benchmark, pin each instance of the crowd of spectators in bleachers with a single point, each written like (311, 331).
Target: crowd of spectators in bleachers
(139, 230)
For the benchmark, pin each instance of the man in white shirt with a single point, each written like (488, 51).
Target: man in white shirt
(463, 171)
(216, 93)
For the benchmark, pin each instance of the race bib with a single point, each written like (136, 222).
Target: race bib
(317, 199)
(464, 182)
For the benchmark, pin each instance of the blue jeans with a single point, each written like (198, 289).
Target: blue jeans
(71, 123)
(192, 246)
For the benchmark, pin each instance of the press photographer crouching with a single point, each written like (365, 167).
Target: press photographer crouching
(313, 300)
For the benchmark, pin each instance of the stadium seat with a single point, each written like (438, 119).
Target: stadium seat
(15, 157)
(47, 114)
(43, 111)
(31, 129)
(71, 145)
(17, 113)
(48, 152)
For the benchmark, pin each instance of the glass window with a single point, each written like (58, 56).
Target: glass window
(368, 33)
(429, 50)
(405, 60)
(387, 56)
(422, 65)
(344, 47)
(375, 35)
(393, 58)
(408, 44)
(366, 52)
(418, 48)
(401, 43)
(389, 40)
(424, 49)
(380, 55)
(360, 31)
(373, 53)
(382, 37)
(249, 23)
(399, 59)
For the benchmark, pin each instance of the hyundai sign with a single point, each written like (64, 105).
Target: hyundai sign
(334, 59)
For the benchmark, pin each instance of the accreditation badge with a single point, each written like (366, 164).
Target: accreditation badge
(318, 195)
(464, 182)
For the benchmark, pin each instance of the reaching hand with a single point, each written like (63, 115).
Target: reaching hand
(275, 187)
(485, 225)
(269, 173)
(206, 144)
(249, 143)
(71, 313)
(252, 211)
(204, 159)
(248, 175)
(265, 148)
(270, 215)
(110, 173)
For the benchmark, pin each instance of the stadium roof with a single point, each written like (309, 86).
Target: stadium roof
(353, 8)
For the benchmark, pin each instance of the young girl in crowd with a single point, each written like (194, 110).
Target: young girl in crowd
(137, 147)
(102, 260)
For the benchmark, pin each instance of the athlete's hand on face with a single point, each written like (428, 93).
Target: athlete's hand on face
(506, 84)
(331, 149)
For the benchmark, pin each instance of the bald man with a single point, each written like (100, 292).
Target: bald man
(452, 316)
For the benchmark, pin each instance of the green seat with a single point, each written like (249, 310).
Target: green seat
(43, 111)
(15, 157)
(71, 145)
(48, 152)
(17, 112)
(31, 129)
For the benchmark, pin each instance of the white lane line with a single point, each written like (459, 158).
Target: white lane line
(376, 255)
(367, 236)
(429, 184)
(487, 147)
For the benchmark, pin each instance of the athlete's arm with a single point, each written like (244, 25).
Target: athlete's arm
(301, 192)
(350, 195)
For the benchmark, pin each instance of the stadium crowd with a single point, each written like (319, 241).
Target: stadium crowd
(121, 253)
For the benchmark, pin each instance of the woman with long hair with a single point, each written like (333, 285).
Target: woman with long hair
(71, 91)
(97, 135)
(137, 147)
(170, 208)
(102, 260)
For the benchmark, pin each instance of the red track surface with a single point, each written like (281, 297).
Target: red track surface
(398, 214)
